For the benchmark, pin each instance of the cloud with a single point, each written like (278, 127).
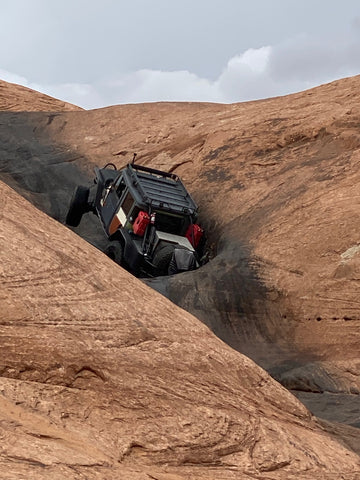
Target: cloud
(81, 94)
(13, 78)
(294, 65)
(156, 85)
(312, 59)
(246, 76)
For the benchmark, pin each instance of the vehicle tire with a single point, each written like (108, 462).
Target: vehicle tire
(162, 259)
(110, 164)
(78, 206)
(115, 251)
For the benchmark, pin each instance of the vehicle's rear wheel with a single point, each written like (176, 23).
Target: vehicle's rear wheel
(162, 259)
(78, 206)
(115, 251)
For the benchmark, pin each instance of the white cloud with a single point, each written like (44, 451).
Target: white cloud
(77, 93)
(13, 78)
(256, 60)
(297, 64)
(246, 76)
(81, 94)
(156, 85)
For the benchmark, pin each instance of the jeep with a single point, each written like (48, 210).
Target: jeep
(148, 216)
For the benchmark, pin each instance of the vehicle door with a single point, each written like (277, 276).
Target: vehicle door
(110, 201)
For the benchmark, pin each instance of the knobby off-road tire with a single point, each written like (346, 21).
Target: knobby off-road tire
(115, 251)
(78, 206)
(162, 259)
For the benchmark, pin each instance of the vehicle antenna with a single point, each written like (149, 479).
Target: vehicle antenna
(133, 160)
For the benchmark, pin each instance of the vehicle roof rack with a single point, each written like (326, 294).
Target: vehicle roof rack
(159, 189)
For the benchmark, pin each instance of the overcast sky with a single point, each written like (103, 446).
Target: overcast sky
(96, 53)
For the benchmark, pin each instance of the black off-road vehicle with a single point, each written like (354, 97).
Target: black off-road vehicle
(148, 217)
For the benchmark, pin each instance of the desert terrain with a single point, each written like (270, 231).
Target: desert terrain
(104, 377)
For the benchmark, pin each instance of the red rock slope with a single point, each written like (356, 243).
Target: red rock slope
(277, 184)
(277, 181)
(101, 377)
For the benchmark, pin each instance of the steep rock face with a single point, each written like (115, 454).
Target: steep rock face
(104, 378)
(277, 184)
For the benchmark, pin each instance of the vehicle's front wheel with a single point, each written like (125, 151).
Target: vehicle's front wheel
(162, 259)
(115, 251)
(78, 206)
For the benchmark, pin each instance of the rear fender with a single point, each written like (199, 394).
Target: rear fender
(132, 257)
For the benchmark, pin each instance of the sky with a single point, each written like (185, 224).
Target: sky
(96, 53)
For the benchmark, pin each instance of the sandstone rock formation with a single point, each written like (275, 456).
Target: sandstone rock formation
(101, 377)
(17, 98)
(277, 184)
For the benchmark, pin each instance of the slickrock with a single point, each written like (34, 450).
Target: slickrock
(277, 183)
(101, 377)
(17, 98)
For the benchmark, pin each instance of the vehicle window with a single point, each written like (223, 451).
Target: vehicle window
(171, 223)
(134, 213)
(127, 203)
(119, 186)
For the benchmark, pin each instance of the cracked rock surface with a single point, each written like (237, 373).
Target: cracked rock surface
(91, 352)
(104, 378)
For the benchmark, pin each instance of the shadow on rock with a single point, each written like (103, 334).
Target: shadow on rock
(41, 171)
(227, 294)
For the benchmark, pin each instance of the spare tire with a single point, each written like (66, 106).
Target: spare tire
(78, 206)
(162, 259)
